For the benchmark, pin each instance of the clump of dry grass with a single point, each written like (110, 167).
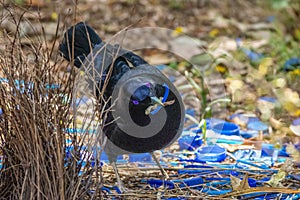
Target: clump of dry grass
(34, 123)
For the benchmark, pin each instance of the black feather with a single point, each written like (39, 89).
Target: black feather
(85, 39)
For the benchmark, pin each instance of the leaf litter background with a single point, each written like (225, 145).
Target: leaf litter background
(252, 53)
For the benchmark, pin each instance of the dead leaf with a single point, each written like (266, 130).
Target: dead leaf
(238, 184)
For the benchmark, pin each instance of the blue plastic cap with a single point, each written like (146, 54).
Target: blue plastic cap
(226, 128)
(212, 153)
(258, 126)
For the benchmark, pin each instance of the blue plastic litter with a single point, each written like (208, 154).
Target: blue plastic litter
(117, 189)
(258, 126)
(190, 111)
(268, 150)
(269, 99)
(106, 189)
(215, 192)
(158, 183)
(260, 166)
(1, 112)
(212, 153)
(247, 154)
(271, 18)
(291, 64)
(248, 133)
(141, 157)
(253, 56)
(192, 181)
(190, 141)
(296, 122)
(161, 67)
(22, 85)
(82, 100)
(77, 130)
(226, 128)
(296, 176)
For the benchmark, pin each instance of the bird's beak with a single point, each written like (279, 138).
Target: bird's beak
(157, 101)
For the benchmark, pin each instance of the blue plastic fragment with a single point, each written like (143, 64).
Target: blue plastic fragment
(165, 97)
(296, 122)
(141, 157)
(158, 183)
(190, 141)
(1, 112)
(106, 189)
(291, 64)
(271, 18)
(226, 128)
(82, 100)
(268, 99)
(209, 191)
(212, 153)
(258, 126)
(296, 176)
(261, 166)
(161, 67)
(248, 133)
(268, 150)
(191, 181)
(190, 111)
(117, 189)
(22, 85)
(77, 130)
(247, 154)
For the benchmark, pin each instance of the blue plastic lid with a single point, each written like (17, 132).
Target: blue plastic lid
(226, 128)
(258, 126)
(212, 153)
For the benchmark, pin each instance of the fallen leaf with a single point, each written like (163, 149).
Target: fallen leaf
(238, 184)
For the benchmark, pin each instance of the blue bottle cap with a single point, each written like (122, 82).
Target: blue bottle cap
(258, 126)
(226, 128)
(212, 153)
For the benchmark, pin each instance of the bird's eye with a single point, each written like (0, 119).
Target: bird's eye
(135, 102)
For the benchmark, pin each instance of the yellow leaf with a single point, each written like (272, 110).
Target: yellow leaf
(178, 31)
(221, 68)
(296, 113)
(264, 66)
(213, 33)
(297, 33)
(279, 83)
(296, 72)
(54, 16)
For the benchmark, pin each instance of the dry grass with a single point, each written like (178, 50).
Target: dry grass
(34, 122)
